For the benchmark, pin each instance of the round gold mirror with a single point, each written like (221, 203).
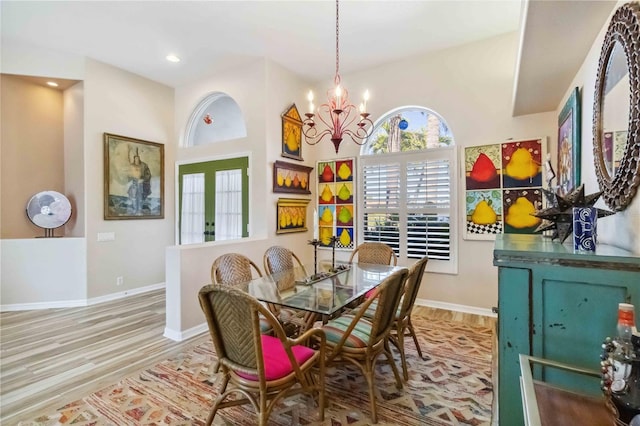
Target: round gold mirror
(616, 115)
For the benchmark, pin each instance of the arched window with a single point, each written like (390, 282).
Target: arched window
(407, 177)
(217, 118)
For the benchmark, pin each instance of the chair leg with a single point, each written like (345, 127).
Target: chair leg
(400, 345)
(415, 338)
(321, 394)
(369, 374)
(392, 363)
(210, 418)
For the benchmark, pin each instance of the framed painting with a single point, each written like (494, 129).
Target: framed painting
(291, 178)
(291, 215)
(503, 184)
(292, 134)
(336, 202)
(568, 170)
(133, 178)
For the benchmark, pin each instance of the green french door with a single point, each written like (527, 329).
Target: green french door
(202, 187)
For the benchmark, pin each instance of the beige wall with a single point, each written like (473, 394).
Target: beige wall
(32, 151)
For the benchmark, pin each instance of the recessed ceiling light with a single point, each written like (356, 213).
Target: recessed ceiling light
(173, 58)
(52, 83)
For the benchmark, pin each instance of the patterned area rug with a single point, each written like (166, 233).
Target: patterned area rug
(451, 387)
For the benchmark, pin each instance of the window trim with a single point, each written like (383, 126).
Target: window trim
(206, 159)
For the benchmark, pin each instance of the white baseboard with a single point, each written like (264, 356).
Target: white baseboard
(80, 302)
(43, 305)
(123, 294)
(455, 307)
(179, 336)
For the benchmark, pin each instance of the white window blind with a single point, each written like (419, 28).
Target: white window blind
(192, 218)
(381, 203)
(428, 202)
(407, 204)
(228, 204)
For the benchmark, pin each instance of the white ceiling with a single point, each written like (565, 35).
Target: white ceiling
(300, 35)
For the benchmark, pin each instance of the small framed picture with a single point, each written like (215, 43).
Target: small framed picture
(568, 173)
(292, 134)
(133, 178)
(291, 215)
(291, 178)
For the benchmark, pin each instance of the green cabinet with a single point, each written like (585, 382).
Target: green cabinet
(558, 305)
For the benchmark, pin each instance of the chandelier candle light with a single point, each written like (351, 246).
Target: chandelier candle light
(338, 113)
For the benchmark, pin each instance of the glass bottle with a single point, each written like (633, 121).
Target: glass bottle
(626, 322)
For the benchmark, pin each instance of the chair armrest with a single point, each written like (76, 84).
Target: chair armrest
(317, 334)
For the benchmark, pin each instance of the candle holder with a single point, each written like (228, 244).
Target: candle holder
(315, 243)
(333, 253)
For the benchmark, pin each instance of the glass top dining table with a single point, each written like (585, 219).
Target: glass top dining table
(299, 289)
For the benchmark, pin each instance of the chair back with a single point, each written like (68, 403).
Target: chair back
(411, 287)
(278, 259)
(388, 295)
(373, 252)
(234, 325)
(233, 268)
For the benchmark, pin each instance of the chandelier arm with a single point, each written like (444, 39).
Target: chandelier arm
(360, 136)
(311, 135)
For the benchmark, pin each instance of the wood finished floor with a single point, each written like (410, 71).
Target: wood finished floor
(49, 357)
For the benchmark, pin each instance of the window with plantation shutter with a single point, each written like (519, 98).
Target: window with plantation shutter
(408, 187)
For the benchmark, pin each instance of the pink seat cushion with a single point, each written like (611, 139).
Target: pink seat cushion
(276, 361)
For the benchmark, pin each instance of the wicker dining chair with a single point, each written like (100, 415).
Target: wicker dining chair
(279, 259)
(402, 326)
(373, 252)
(259, 369)
(354, 340)
(233, 268)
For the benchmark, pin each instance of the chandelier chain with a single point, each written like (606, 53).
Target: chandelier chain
(337, 39)
(338, 113)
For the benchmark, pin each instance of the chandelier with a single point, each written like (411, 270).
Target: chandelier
(338, 114)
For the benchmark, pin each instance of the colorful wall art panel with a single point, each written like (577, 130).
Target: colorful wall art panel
(503, 184)
(482, 166)
(522, 164)
(484, 212)
(336, 202)
(518, 205)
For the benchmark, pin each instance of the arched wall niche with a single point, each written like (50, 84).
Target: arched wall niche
(216, 118)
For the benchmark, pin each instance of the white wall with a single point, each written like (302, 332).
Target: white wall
(623, 228)
(74, 187)
(263, 90)
(43, 272)
(122, 103)
(471, 87)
